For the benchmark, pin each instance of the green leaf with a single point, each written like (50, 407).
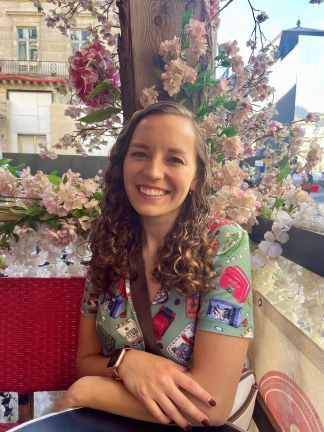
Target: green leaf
(266, 213)
(221, 56)
(100, 115)
(186, 18)
(101, 87)
(13, 171)
(225, 63)
(55, 180)
(47, 217)
(185, 40)
(279, 203)
(53, 173)
(229, 131)
(34, 211)
(97, 196)
(5, 161)
(65, 179)
(79, 212)
(19, 167)
(230, 105)
(158, 72)
(220, 158)
(18, 212)
(188, 88)
(284, 169)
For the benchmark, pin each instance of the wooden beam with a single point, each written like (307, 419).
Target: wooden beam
(144, 25)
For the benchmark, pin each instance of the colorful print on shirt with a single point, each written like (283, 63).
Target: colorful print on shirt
(225, 310)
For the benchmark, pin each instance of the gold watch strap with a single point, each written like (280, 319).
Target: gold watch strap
(115, 374)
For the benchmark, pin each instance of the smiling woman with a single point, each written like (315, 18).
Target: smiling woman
(158, 254)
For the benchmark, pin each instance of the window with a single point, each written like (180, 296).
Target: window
(29, 143)
(79, 39)
(27, 43)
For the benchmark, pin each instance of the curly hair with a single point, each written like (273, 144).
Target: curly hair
(185, 257)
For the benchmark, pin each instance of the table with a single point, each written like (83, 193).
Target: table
(90, 420)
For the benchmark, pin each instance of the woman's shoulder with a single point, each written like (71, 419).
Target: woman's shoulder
(226, 234)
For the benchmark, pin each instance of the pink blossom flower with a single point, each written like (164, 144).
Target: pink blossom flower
(63, 236)
(177, 72)
(263, 16)
(231, 147)
(148, 96)
(197, 37)
(312, 117)
(170, 49)
(8, 184)
(87, 69)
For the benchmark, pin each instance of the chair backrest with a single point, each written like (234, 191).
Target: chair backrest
(39, 321)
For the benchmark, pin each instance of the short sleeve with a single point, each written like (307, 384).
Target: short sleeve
(89, 305)
(227, 309)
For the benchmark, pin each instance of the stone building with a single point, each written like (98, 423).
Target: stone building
(33, 63)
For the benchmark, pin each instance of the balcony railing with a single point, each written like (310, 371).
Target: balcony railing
(34, 68)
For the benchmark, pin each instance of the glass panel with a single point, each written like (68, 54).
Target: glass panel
(22, 50)
(85, 36)
(32, 33)
(75, 47)
(32, 52)
(74, 35)
(20, 33)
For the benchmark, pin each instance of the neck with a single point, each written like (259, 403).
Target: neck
(154, 232)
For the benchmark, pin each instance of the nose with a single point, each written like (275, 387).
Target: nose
(154, 169)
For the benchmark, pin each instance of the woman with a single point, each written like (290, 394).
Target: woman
(155, 225)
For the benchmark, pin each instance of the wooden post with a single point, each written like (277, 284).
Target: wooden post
(144, 24)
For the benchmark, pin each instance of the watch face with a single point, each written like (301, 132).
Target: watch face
(114, 357)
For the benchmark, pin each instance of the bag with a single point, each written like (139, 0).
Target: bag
(244, 402)
(246, 393)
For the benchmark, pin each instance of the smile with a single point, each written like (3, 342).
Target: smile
(151, 191)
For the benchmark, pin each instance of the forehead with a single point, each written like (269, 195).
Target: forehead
(166, 130)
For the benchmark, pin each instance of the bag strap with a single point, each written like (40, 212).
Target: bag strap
(141, 303)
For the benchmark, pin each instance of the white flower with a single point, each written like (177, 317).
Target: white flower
(283, 218)
(272, 249)
(280, 232)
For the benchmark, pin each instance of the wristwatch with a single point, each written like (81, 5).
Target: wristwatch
(115, 361)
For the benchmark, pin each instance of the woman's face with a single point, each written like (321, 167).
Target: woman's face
(160, 166)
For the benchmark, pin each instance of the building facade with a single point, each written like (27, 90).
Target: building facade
(33, 64)
(297, 78)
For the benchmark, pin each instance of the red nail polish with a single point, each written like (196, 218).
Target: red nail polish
(205, 423)
(212, 402)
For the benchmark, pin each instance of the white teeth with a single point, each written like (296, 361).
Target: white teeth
(151, 192)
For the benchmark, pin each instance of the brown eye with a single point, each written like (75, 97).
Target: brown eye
(176, 161)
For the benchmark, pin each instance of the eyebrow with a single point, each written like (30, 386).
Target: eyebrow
(171, 149)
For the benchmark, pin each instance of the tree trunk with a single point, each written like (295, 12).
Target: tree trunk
(144, 25)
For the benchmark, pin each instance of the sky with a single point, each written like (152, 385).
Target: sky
(237, 22)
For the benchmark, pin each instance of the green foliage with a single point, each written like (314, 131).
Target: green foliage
(284, 169)
(100, 115)
(229, 131)
(186, 18)
(101, 87)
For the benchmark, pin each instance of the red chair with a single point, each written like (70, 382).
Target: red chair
(39, 322)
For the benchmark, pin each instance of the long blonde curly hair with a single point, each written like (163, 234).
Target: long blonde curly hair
(185, 257)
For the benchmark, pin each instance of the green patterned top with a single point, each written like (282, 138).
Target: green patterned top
(226, 310)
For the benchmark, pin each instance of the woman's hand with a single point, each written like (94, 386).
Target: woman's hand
(158, 382)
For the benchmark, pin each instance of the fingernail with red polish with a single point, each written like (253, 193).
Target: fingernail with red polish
(205, 423)
(212, 402)
(188, 428)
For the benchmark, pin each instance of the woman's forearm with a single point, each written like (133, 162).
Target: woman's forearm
(108, 395)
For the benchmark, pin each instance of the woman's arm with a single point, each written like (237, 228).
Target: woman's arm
(217, 366)
(153, 387)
